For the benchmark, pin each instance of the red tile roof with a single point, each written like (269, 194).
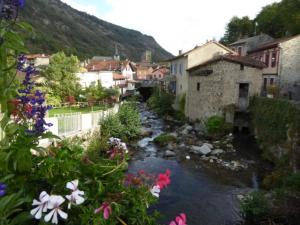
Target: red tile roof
(245, 60)
(34, 56)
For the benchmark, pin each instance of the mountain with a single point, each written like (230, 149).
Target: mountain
(60, 27)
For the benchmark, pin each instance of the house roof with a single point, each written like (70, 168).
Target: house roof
(253, 39)
(201, 46)
(34, 56)
(245, 60)
(272, 44)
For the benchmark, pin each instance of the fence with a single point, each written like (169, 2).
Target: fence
(66, 125)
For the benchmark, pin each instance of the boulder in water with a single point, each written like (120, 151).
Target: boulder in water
(169, 153)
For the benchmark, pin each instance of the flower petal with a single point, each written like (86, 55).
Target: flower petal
(72, 185)
(55, 218)
(172, 223)
(49, 215)
(62, 214)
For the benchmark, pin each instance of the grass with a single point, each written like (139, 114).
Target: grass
(66, 110)
(164, 139)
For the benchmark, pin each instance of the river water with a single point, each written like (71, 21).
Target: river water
(204, 198)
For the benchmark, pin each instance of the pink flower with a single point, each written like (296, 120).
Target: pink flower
(106, 210)
(163, 179)
(180, 220)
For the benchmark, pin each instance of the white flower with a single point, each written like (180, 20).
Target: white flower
(42, 205)
(155, 191)
(76, 195)
(54, 203)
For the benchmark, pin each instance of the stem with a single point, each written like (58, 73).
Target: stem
(121, 221)
(116, 168)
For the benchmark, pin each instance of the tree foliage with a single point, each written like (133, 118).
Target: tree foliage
(277, 20)
(238, 28)
(60, 75)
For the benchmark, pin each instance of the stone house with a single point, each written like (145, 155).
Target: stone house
(184, 61)
(243, 46)
(282, 59)
(221, 84)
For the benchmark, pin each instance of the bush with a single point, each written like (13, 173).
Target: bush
(161, 102)
(216, 125)
(164, 139)
(255, 206)
(125, 124)
(130, 119)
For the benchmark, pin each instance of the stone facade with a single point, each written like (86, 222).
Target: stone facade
(210, 94)
(196, 56)
(289, 68)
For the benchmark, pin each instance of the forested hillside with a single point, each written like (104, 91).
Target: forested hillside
(60, 27)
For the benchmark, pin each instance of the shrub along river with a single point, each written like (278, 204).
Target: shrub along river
(207, 192)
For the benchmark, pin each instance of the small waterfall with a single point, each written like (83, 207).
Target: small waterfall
(255, 184)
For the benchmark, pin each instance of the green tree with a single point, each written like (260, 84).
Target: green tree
(238, 28)
(280, 19)
(60, 75)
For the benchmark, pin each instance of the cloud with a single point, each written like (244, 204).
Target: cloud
(176, 24)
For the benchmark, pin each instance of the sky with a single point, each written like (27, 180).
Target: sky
(175, 24)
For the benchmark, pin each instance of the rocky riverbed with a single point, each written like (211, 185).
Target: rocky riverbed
(208, 176)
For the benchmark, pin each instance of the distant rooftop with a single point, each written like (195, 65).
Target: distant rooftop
(102, 58)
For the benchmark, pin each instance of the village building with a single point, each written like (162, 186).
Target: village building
(282, 59)
(109, 73)
(221, 85)
(37, 60)
(158, 73)
(181, 63)
(142, 71)
(243, 46)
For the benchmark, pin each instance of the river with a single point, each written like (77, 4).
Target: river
(201, 194)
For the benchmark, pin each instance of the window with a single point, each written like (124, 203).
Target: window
(242, 67)
(267, 59)
(180, 87)
(243, 90)
(175, 68)
(159, 76)
(198, 86)
(274, 59)
(171, 69)
(180, 68)
(271, 81)
(240, 50)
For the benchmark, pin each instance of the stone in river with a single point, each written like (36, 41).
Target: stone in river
(169, 153)
(203, 150)
(209, 145)
(217, 152)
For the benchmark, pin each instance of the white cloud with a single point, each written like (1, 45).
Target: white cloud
(176, 24)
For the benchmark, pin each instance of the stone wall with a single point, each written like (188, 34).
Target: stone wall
(219, 89)
(289, 74)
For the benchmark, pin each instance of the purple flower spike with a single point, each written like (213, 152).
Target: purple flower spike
(3, 188)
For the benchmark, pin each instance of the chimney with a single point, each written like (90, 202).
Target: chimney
(180, 52)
